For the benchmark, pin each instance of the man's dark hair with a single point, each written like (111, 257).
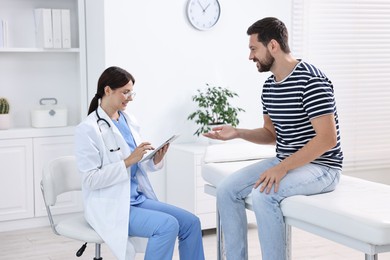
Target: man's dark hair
(270, 28)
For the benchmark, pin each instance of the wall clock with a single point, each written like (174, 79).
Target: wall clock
(203, 14)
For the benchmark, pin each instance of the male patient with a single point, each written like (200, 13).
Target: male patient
(300, 116)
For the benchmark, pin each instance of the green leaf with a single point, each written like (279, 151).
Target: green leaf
(214, 108)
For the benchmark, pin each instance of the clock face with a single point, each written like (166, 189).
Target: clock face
(203, 14)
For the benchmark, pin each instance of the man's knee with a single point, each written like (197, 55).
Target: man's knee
(261, 198)
(225, 189)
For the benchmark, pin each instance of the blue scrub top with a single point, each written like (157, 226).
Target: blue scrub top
(136, 197)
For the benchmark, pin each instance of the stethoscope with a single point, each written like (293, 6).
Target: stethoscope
(100, 120)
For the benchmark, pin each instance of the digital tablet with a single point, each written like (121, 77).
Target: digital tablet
(151, 154)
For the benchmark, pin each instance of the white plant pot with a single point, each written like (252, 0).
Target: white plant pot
(5, 121)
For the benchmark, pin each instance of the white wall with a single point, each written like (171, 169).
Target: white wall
(169, 59)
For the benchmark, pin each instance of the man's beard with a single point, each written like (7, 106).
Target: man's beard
(266, 64)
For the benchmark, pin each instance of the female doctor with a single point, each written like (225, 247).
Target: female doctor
(118, 198)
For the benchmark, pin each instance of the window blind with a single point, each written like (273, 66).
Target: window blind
(349, 40)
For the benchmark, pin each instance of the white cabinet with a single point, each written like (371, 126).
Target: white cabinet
(185, 183)
(16, 179)
(22, 162)
(23, 154)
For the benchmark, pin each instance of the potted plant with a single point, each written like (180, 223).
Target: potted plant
(5, 119)
(214, 108)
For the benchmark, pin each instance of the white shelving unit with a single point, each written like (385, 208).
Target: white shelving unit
(27, 74)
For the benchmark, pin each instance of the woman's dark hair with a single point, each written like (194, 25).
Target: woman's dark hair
(270, 28)
(114, 77)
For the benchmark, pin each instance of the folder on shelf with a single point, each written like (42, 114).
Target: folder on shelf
(65, 28)
(43, 26)
(1, 34)
(56, 23)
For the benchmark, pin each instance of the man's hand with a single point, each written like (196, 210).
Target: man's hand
(225, 132)
(269, 178)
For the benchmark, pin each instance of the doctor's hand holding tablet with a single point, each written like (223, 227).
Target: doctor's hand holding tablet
(158, 154)
(138, 153)
(141, 153)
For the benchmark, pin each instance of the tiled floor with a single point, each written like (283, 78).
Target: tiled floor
(42, 244)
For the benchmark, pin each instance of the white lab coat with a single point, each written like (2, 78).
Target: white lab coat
(106, 180)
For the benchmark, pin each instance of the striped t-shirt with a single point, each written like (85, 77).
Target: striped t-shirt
(305, 94)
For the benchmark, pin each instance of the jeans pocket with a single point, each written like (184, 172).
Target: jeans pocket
(332, 177)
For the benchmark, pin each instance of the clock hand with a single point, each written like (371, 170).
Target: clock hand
(201, 6)
(206, 7)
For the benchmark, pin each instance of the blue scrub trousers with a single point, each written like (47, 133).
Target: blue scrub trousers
(162, 223)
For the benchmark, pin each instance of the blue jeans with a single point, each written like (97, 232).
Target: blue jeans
(162, 223)
(231, 192)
